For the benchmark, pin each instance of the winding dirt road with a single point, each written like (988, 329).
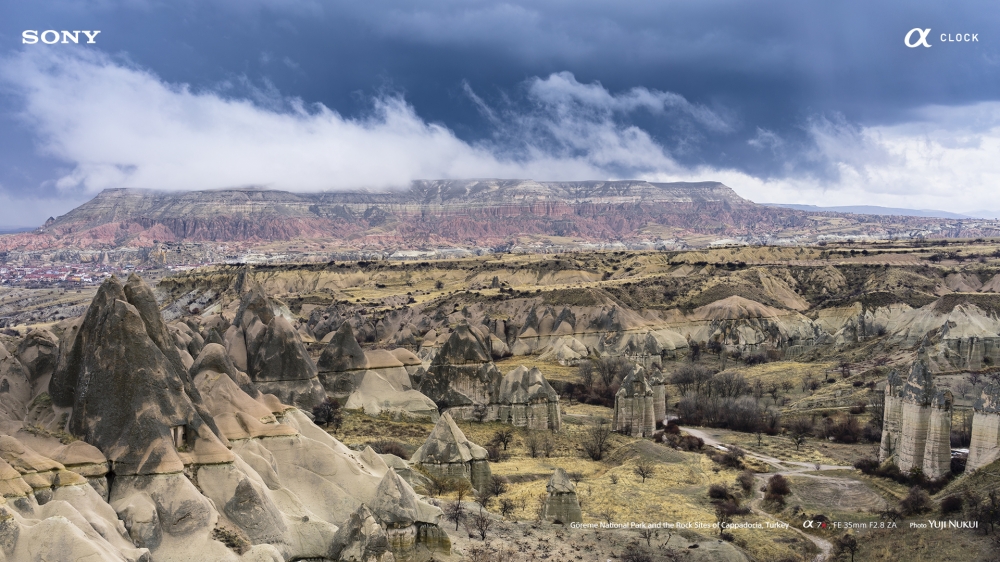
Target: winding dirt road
(783, 468)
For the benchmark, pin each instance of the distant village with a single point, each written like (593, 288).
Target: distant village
(63, 276)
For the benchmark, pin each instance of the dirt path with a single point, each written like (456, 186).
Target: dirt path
(784, 468)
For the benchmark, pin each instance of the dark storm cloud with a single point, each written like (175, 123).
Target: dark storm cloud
(792, 89)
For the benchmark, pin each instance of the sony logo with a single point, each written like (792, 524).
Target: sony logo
(51, 36)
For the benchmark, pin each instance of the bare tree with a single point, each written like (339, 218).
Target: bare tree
(773, 390)
(585, 371)
(503, 437)
(876, 406)
(596, 441)
(608, 515)
(798, 430)
(648, 535)
(532, 443)
(497, 486)
(485, 498)
(963, 388)
(644, 469)
(507, 507)
(975, 378)
(845, 369)
(847, 544)
(455, 512)
(482, 523)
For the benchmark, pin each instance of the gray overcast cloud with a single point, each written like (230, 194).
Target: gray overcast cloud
(783, 101)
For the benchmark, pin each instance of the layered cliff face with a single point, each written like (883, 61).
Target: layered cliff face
(452, 212)
(129, 455)
(463, 380)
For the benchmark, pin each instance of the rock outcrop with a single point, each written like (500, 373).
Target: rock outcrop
(463, 380)
(129, 395)
(266, 347)
(411, 525)
(462, 374)
(634, 411)
(561, 505)
(923, 418)
(376, 381)
(527, 400)
(206, 467)
(447, 453)
(984, 447)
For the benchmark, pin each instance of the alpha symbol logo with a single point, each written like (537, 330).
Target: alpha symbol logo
(922, 40)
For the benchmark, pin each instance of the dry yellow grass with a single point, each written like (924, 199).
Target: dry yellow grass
(676, 493)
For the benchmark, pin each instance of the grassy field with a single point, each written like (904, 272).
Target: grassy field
(608, 488)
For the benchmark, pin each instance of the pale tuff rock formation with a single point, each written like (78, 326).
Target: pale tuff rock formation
(634, 410)
(923, 418)
(375, 381)
(892, 417)
(659, 385)
(528, 400)
(749, 326)
(341, 362)
(411, 525)
(462, 378)
(265, 346)
(448, 453)
(562, 505)
(15, 386)
(570, 335)
(361, 539)
(985, 445)
(195, 453)
(123, 379)
(462, 373)
(38, 352)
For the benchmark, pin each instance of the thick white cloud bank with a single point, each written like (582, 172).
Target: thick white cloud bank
(122, 126)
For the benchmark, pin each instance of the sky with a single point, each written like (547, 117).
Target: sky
(784, 101)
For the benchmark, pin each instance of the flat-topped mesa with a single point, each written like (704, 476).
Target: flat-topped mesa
(265, 346)
(448, 453)
(984, 447)
(562, 505)
(923, 418)
(634, 410)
